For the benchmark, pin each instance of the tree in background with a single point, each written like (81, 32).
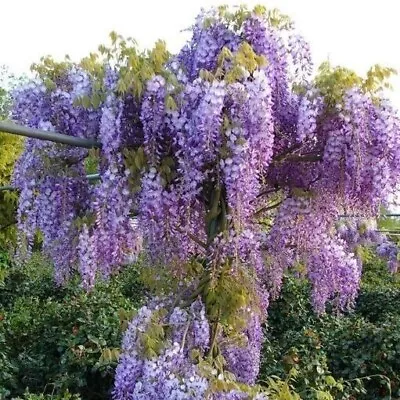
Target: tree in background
(237, 164)
(10, 149)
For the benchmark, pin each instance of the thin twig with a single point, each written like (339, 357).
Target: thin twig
(267, 191)
(214, 334)
(282, 156)
(197, 240)
(287, 156)
(194, 238)
(185, 334)
(304, 158)
(265, 209)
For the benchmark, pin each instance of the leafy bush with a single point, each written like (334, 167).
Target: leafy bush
(62, 339)
(10, 148)
(358, 348)
(64, 396)
(352, 356)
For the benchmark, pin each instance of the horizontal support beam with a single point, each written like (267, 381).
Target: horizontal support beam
(91, 177)
(8, 187)
(15, 129)
(362, 216)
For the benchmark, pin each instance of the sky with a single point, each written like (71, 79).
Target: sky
(353, 33)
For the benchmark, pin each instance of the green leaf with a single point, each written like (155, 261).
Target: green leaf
(93, 339)
(330, 380)
(96, 100)
(86, 101)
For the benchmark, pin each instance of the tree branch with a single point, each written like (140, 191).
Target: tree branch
(282, 156)
(194, 238)
(214, 329)
(304, 158)
(185, 334)
(268, 191)
(287, 156)
(268, 208)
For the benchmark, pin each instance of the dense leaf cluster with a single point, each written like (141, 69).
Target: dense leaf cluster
(10, 149)
(360, 351)
(53, 340)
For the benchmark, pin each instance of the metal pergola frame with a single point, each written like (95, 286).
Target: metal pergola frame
(15, 129)
(56, 137)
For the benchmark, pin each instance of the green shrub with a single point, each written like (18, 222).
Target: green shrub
(358, 348)
(8, 369)
(10, 148)
(64, 396)
(359, 351)
(293, 343)
(379, 298)
(63, 339)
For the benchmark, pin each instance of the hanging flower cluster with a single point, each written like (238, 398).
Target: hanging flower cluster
(356, 233)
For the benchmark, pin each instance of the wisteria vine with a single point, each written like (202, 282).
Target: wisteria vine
(236, 165)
